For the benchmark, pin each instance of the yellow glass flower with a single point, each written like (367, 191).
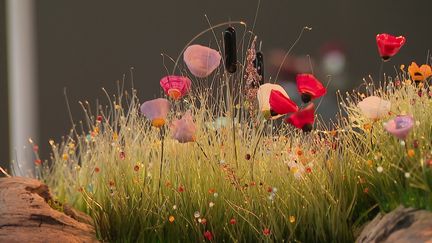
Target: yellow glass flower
(292, 219)
(419, 74)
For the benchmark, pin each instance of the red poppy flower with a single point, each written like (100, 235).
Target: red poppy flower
(266, 231)
(309, 87)
(389, 45)
(281, 104)
(303, 119)
(208, 235)
(175, 86)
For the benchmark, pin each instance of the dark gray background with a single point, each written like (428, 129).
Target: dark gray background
(85, 45)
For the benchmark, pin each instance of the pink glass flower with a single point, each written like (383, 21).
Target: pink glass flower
(400, 126)
(156, 111)
(175, 86)
(183, 130)
(201, 60)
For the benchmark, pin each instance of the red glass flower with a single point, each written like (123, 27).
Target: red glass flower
(175, 86)
(281, 104)
(303, 119)
(309, 87)
(389, 45)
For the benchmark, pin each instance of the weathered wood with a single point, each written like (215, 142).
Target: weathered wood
(26, 216)
(400, 225)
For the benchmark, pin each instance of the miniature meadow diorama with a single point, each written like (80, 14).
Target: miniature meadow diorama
(224, 154)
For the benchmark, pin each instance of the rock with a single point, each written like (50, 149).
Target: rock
(400, 225)
(26, 215)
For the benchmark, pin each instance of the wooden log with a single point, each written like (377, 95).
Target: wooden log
(26, 215)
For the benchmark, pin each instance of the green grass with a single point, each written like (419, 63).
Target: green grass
(338, 191)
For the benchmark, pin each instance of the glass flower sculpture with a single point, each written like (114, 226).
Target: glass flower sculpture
(303, 119)
(400, 126)
(309, 87)
(374, 107)
(389, 45)
(183, 130)
(201, 60)
(419, 74)
(156, 111)
(263, 96)
(175, 86)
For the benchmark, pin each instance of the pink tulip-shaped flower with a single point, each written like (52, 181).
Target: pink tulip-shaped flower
(175, 86)
(400, 126)
(201, 60)
(156, 111)
(183, 130)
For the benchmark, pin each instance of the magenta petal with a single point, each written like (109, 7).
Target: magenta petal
(183, 130)
(400, 126)
(201, 60)
(155, 109)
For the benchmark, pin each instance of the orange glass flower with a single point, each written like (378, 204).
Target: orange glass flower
(419, 74)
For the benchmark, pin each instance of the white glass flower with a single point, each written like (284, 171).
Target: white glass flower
(374, 107)
(263, 96)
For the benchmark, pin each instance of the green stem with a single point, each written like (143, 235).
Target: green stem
(253, 155)
(162, 158)
(205, 155)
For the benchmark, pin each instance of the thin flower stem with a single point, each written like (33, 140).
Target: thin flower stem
(253, 155)
(371, 134)
(162, 135)
(205, 155)
(381, 72)
(4, 172)
(234, 137)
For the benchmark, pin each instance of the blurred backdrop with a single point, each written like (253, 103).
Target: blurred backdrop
(85, 45)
